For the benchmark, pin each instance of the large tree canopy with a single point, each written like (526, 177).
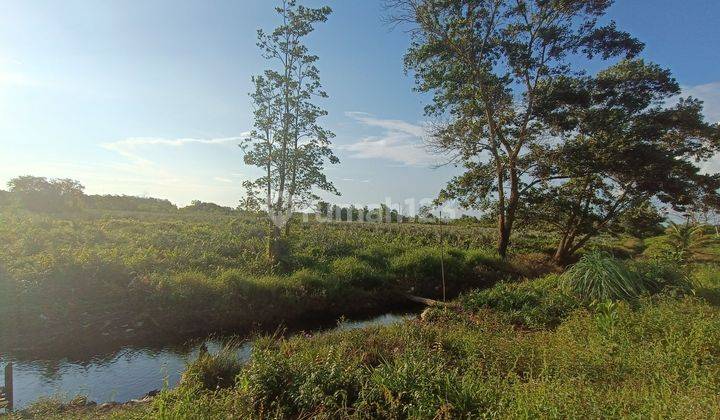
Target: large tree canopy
(619, 145)
(487, 63)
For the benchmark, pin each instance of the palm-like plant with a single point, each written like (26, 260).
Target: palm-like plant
(599, 277)
(689, 243)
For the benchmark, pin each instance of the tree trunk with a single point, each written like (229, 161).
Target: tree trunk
(503, 241)
(287, 227)
(274, 248)
(562, 253)
(506, 218)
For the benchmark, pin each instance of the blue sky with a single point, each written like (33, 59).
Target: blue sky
(149, 97)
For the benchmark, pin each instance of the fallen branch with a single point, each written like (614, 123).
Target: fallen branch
(426, 301)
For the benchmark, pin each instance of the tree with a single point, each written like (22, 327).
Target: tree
(641, 221)
(622, 147)
(201, 206)
(250, 203)
(40, 194)
(288, 143)
(486, 62)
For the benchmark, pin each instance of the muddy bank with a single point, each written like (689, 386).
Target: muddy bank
(132, 374)
(109, 331)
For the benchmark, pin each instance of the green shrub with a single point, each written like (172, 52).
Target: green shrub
(322, 381)
(538, 303)
(600, 277)
(355, 272)
(379, 255)
(593, 365)
(213, 371)
(191, 288)
(312, 280)
(706, 281)
(238, 284)
(662, 275)
(426, 263)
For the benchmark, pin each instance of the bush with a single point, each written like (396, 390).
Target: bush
(213, 371)
(423, 264)
(379, 255)
(662, 275)
(532, 303)
(238, 285)
(313, 281)
(600, 277)
(355, 272)
(190, 288)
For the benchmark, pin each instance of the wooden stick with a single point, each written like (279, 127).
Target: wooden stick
(426, 301)
(9, 387)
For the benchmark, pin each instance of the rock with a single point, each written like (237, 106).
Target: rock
(129, 330)
(108, 405)
(151, 394)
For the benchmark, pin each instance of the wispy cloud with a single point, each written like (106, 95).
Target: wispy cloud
(363, 181)
(130, 147)
(710, 94)
(138, 166)
(400, 141)
(11, 78)
(134, 142)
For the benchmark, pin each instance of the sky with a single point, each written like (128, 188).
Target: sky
(150, 97)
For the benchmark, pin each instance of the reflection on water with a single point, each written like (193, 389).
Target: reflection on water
(125, 374)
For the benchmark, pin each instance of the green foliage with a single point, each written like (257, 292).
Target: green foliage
(213, 371)
(197, 205)
(426, 263)
(534, 304)
(654, 359)
(287, 142)
(640, 221)
(43, 195)
(455, 55)
(599, 277)
(208, 271)
(616, 159)
(662, 275)
(688, 242)
(356, 272)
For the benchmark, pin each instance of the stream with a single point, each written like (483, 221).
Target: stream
(130, 372)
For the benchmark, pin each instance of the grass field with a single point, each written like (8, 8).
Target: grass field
(86, 274)
(522, 349)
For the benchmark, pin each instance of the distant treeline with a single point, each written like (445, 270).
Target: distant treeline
(41, 194)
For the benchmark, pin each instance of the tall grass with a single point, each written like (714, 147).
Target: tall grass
(656, 359)
(600, 277)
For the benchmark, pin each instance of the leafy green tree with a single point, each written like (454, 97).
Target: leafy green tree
(323, 207)
(250, 203)
(197, 205)
(129, 203)
(486, 63)
(641, 221)
(40, 194)
(288, 143)
(622, 146)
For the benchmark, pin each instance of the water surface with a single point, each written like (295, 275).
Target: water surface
(128, 373)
